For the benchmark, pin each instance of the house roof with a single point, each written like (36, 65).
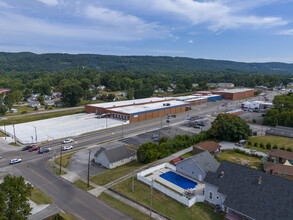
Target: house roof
(204, 160)
(278, 168)
(116, 153)
(210, 146)
(281, 153)
(176, 160)
(272, 199)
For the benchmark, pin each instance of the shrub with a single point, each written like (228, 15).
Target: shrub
(255, 144)
(289, 149)
(261, 145)
(282, 148)
(249, 143)
(268, 146)
(23, 112)
(275, 147)
(253, 121)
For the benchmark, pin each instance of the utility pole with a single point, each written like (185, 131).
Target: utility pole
(132, 187)
(151, 199)
(122, 129)
(13, 132)
(88, 170)
(60, 160)
(161, 122)
(36, 134)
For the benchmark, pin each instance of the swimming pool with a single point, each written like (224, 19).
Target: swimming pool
(178, 180)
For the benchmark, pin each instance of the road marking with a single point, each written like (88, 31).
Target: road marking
(86, 206)
(44, 178)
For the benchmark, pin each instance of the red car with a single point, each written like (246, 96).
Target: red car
(34, 148)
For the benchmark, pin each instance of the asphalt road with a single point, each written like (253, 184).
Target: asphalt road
(66, 196)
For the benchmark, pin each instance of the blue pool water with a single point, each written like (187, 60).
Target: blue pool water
(178, 180)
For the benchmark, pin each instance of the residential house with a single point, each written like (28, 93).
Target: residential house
(246, 193)
(4, 91)
(34, 104)
(280, 163)
(114, 157)
(198, 165)
(210, 146)
(56, 95)
(101, 87)
(49, 103)
(13, 110)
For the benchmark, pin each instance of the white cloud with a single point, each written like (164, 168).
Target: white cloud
(286, 32)
(218, 15)
(49, 2)
(190, 41)
(4, 5)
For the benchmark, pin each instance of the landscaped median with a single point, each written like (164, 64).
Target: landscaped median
(165, 204)
(39, 197)
(113, 174)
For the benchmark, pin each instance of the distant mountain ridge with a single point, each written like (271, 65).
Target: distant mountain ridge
(52, 62)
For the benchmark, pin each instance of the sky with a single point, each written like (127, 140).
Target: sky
(238, 30)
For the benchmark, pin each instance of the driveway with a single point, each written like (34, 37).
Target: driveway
(225, 145)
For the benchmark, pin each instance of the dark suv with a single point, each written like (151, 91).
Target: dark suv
(26, 147)
(44, 150)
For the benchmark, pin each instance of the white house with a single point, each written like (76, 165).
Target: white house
(34, 104)
(114, 157)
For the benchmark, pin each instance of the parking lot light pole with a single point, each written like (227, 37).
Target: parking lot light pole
(88, 170)
(36, 134)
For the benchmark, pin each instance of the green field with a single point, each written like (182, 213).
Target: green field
(188, 154)
(64, 161)
(82, 185)
(232, 156)
(273, 140)
(57, 171)
(39, 197)
(113, 174)
(27, 118)
(165, 204)
(2, 134)
(122, 207)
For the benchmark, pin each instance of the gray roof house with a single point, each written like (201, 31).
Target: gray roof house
(246, 193)
(33, 104)
(114, 157)
(198, 165)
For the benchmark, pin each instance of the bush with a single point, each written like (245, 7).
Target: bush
(249, 143)
(289, 149)
(246, 153)
(275, 147)
(261, 145)
(255, 144)
(23, 112)
(253, 121)
(268, 146)
(282, 148)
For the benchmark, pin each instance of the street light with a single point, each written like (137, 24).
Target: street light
(36, 134)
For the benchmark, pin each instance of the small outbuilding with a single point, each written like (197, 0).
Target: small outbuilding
(210, 146)
(114, 157)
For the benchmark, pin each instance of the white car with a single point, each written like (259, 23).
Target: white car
(16, 160)
(64, 148)
(67, 141)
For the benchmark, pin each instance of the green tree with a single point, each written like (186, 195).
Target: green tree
(268, 146)
(111, 97)
(85, 83)
(289, 149)
(130, 94)
(27, 93)
(14, 193)
(230, 128)
(71, 94)
(275, 146)
(9, 100)
(148, 152)
(41, 99)
(3, 110)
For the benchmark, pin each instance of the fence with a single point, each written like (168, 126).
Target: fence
(180, 198)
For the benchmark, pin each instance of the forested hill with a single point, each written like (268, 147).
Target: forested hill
(30, 62)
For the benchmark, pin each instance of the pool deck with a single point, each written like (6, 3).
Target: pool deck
(156, 177)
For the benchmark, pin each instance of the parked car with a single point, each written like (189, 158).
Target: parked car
(67, 141)
(196, 126)
(173, 116)
(43, 150)
(155, 136)
(16, 160)
(34, 148)
(64, 148)
(27, 147)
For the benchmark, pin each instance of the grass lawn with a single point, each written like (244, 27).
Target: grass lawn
(82, 185)
(188, 154)
(128, 210)
(113, 174)
(57, 171)
(65, 160)
(39, 197)
(273, 140)
(27, 118)
(2, 134)
(257, 149)
(230, 155)
(165, 204)
(14, 144)
(66, 216)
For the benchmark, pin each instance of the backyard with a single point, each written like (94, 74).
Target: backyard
(273, 140)
(240, 158)
(165, 204)
(113, 174)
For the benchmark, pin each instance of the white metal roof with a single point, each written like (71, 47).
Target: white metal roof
(234, 90)
(129, 102)
(148, 107)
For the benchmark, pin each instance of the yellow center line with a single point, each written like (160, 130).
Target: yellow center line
(86, 206)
